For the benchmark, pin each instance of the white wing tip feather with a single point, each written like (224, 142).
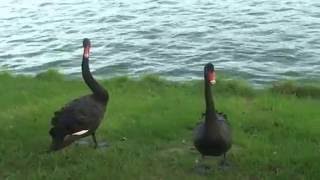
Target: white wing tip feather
(80, 132)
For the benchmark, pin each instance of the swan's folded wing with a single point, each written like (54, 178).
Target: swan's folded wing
(76, 116)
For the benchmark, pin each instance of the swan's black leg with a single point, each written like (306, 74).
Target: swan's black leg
(224, 164)
(94, 140)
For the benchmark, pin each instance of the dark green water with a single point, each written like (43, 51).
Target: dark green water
(259, 40)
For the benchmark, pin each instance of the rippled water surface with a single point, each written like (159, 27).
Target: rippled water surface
(259, 40)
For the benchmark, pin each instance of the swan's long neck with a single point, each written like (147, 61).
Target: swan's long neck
(101, 93)
(210, 107)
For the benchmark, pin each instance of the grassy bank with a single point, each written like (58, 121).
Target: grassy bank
(149, 126)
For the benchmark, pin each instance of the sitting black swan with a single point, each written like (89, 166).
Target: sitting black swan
(213, 135)
(81, 117)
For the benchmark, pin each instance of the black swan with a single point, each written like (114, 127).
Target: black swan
(213, 135)
(80, 117)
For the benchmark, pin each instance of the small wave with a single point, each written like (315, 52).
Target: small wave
(266, 39)
(45, 4)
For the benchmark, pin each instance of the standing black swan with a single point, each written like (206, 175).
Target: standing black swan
(81, 117)
(213, 135)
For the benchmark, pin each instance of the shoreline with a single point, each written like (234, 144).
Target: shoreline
(313, 83)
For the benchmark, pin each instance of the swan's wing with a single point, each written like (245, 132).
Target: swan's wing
(80, 114)
(225, 127)
(198, 131)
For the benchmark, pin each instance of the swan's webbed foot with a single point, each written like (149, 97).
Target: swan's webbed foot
(201, 168)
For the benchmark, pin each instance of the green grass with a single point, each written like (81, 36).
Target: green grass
(149, 125)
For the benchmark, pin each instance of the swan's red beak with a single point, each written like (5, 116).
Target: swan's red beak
(86, 51)
(212, 77)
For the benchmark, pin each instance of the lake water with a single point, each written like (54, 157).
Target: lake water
(258, 40)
